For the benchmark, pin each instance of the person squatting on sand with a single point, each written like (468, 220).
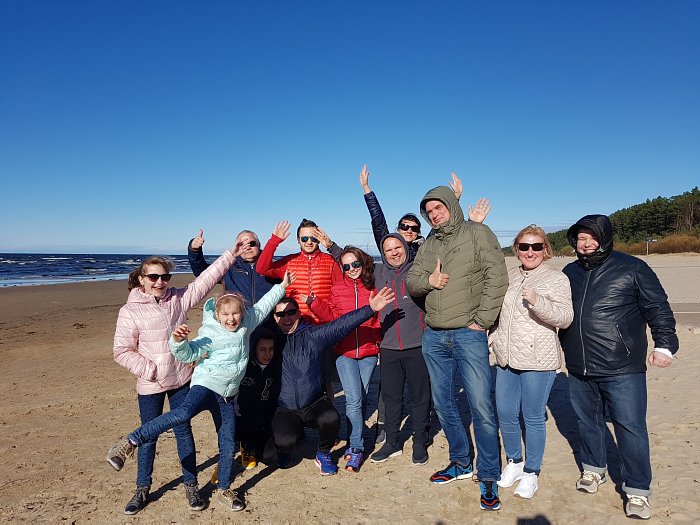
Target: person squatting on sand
(141, 346)
(314, 269)
(525, 343)
(356, 353)
(221, 355)
(461, 271)
(615, 297)
(302, 402)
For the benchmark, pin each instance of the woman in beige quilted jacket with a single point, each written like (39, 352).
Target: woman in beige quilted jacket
(525, 342)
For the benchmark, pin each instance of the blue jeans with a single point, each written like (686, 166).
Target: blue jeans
(467, 350)
(150, 407)
(526, 390)
(626, 399)
(198, 399)
(355, 375)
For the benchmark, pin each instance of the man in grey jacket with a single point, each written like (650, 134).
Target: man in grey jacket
(461, 271)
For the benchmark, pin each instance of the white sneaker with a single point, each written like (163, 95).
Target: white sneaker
(512, 473)
(527, 486)
(590, 481)
(637, 507)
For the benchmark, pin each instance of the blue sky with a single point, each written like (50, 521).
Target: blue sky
(126, 126)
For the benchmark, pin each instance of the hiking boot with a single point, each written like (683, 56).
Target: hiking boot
(527, 486)
(452, 472)
(355, 461)
(194, 500)
(229, 499)
(489, 495)
(248, 460)
(512, 473)
(381, 435)
(420, 454)
(138, 501)
(637, 507)
(324, 461)
(387, 451)
(590, 481)
(119, 452)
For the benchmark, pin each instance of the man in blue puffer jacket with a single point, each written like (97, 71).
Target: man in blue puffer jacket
(302, 402)
(615, 297)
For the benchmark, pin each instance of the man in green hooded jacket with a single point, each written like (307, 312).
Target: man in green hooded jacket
(461, 271)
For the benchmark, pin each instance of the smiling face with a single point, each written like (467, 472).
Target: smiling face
(285, 322)
(264, 351)
(530, 258)
(229, 315)
(394, 252)
(409, 230)
(251, 246)
(586, 242)
(157, 288)
(352, 268)
(437, 213)
(307, 242)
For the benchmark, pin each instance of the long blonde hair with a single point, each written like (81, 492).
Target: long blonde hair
(167, 265)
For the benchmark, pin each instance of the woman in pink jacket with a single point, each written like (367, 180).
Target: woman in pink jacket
(144, 326)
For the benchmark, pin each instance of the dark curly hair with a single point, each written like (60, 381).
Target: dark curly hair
(367, 275)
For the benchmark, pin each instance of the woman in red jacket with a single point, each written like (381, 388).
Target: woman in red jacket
(357, 352)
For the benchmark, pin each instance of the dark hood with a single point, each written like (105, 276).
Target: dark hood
(602, 228)
(405, 247)
(445, 195)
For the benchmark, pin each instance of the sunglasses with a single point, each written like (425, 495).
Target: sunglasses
(286, 313)
(406, 227)
(525, 246)
(251, 244)
(354, 264)
(305, 238)
(153, 277)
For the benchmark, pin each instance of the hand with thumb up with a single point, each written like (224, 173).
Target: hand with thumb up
(437, 279)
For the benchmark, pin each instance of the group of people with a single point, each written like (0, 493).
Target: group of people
(284, 332)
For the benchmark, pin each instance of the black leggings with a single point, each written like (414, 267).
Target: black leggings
(288, 425)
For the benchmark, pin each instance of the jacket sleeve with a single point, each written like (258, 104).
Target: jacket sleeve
(417, 277)
(493, 265)
(260, 310)
(202, 285)
(265, 265)
(330, 334)
(335, 251)
(189, 351)
(379, 226)
(126, 351)
(197, 262)
(322, 310)
(556, 310)
(656, 311)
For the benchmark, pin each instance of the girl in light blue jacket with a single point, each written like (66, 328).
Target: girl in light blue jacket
(221, 355)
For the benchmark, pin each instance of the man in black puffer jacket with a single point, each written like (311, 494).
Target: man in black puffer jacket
(615, 297)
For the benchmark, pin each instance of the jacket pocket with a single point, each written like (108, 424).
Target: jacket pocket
(626, 345)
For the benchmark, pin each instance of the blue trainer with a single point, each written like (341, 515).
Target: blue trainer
(324, 462)
(355, 460)
(452, 472)
(489, 495)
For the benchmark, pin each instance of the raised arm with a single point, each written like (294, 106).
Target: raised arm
(333, 249)
(265, 265)
(379, 225)
(195, 255)
(205, 282)
(260, 310)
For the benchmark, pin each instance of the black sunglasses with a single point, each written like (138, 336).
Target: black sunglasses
(406, 227)
(525, 246)
(251, 244)
(306, 238)
(354, 264)
(286, 313)
(153, 277)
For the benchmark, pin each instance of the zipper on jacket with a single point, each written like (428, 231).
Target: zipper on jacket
(357, 329)
(580, 324)
(627, 348)
(252, 283)
(396, 303)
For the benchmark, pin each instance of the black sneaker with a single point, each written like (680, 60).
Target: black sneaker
(138, 501)
(420, 454)
(194, 499)
(380, 438)
(388, 450)
(489, 496)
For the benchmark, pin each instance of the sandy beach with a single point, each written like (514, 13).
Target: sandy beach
(65, 401)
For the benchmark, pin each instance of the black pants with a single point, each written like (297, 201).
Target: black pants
(288, 425)
(401, 367)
